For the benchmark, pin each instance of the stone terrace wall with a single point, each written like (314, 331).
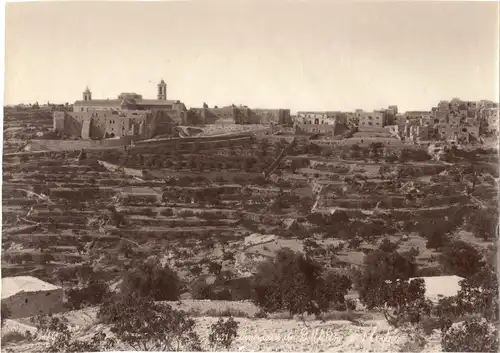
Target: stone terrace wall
(62, 145)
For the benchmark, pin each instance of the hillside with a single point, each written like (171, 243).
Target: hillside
(205, 209)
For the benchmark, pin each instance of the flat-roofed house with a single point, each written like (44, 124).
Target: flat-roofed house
(27, 296)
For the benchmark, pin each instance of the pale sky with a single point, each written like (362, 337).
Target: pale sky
(297, 55)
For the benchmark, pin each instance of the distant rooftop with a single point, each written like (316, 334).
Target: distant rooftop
(441, 286)
(13, 285)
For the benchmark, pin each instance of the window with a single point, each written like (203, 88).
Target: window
(370, 123)
(370, 118)
(26, 301)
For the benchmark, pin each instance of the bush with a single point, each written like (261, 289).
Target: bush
(92, 294)
(428, 324)
(472, 335)
(144, 325)
(382, 275)
(152, 279)
(62, 340)
(223, 333)
(388, 246)
(295, 283)
(483, 224)
(461, 259)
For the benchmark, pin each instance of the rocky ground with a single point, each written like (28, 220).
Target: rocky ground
(270, 335)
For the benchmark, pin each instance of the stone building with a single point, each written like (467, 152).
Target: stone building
(27, 296)
(321, 118)
(238, 115)
(101, 124)
(410, 131)
(492, 120)
(466, 133)
(372, 119)
(271, 116)
(417, 115)
(320, 122)
(128, 115)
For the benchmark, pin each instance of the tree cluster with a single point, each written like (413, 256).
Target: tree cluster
(297, 284)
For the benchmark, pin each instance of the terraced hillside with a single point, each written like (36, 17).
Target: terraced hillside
(193, 205)
(21, 126)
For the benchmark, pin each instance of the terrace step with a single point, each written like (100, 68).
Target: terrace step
(173, 233)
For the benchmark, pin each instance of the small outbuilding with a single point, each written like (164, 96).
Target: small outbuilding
(27, 296)
(440, 287)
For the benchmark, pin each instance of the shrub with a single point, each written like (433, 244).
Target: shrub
(472, 335)
(295, 283)
(92, 294)
(62, 340)
(223, 333)
(214, 268)
(483, 224)
(460, 258)
(428, 324)
(405, 301)
(144, 325)
(477, 295)
(380, 268)
(152, 279)
(388, 246)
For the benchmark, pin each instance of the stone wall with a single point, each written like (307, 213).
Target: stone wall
(316, 128)
(68, 145)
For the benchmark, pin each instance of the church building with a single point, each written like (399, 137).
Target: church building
(127, 115)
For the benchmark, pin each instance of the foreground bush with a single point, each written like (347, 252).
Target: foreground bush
(61, 339)
(478, 295)
(223, 333)
(472, 335)
(144, 325)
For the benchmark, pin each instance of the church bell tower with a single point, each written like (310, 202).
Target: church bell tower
(162, 90)
(87, 95)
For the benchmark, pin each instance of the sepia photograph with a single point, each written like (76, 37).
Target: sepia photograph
(245, 176)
